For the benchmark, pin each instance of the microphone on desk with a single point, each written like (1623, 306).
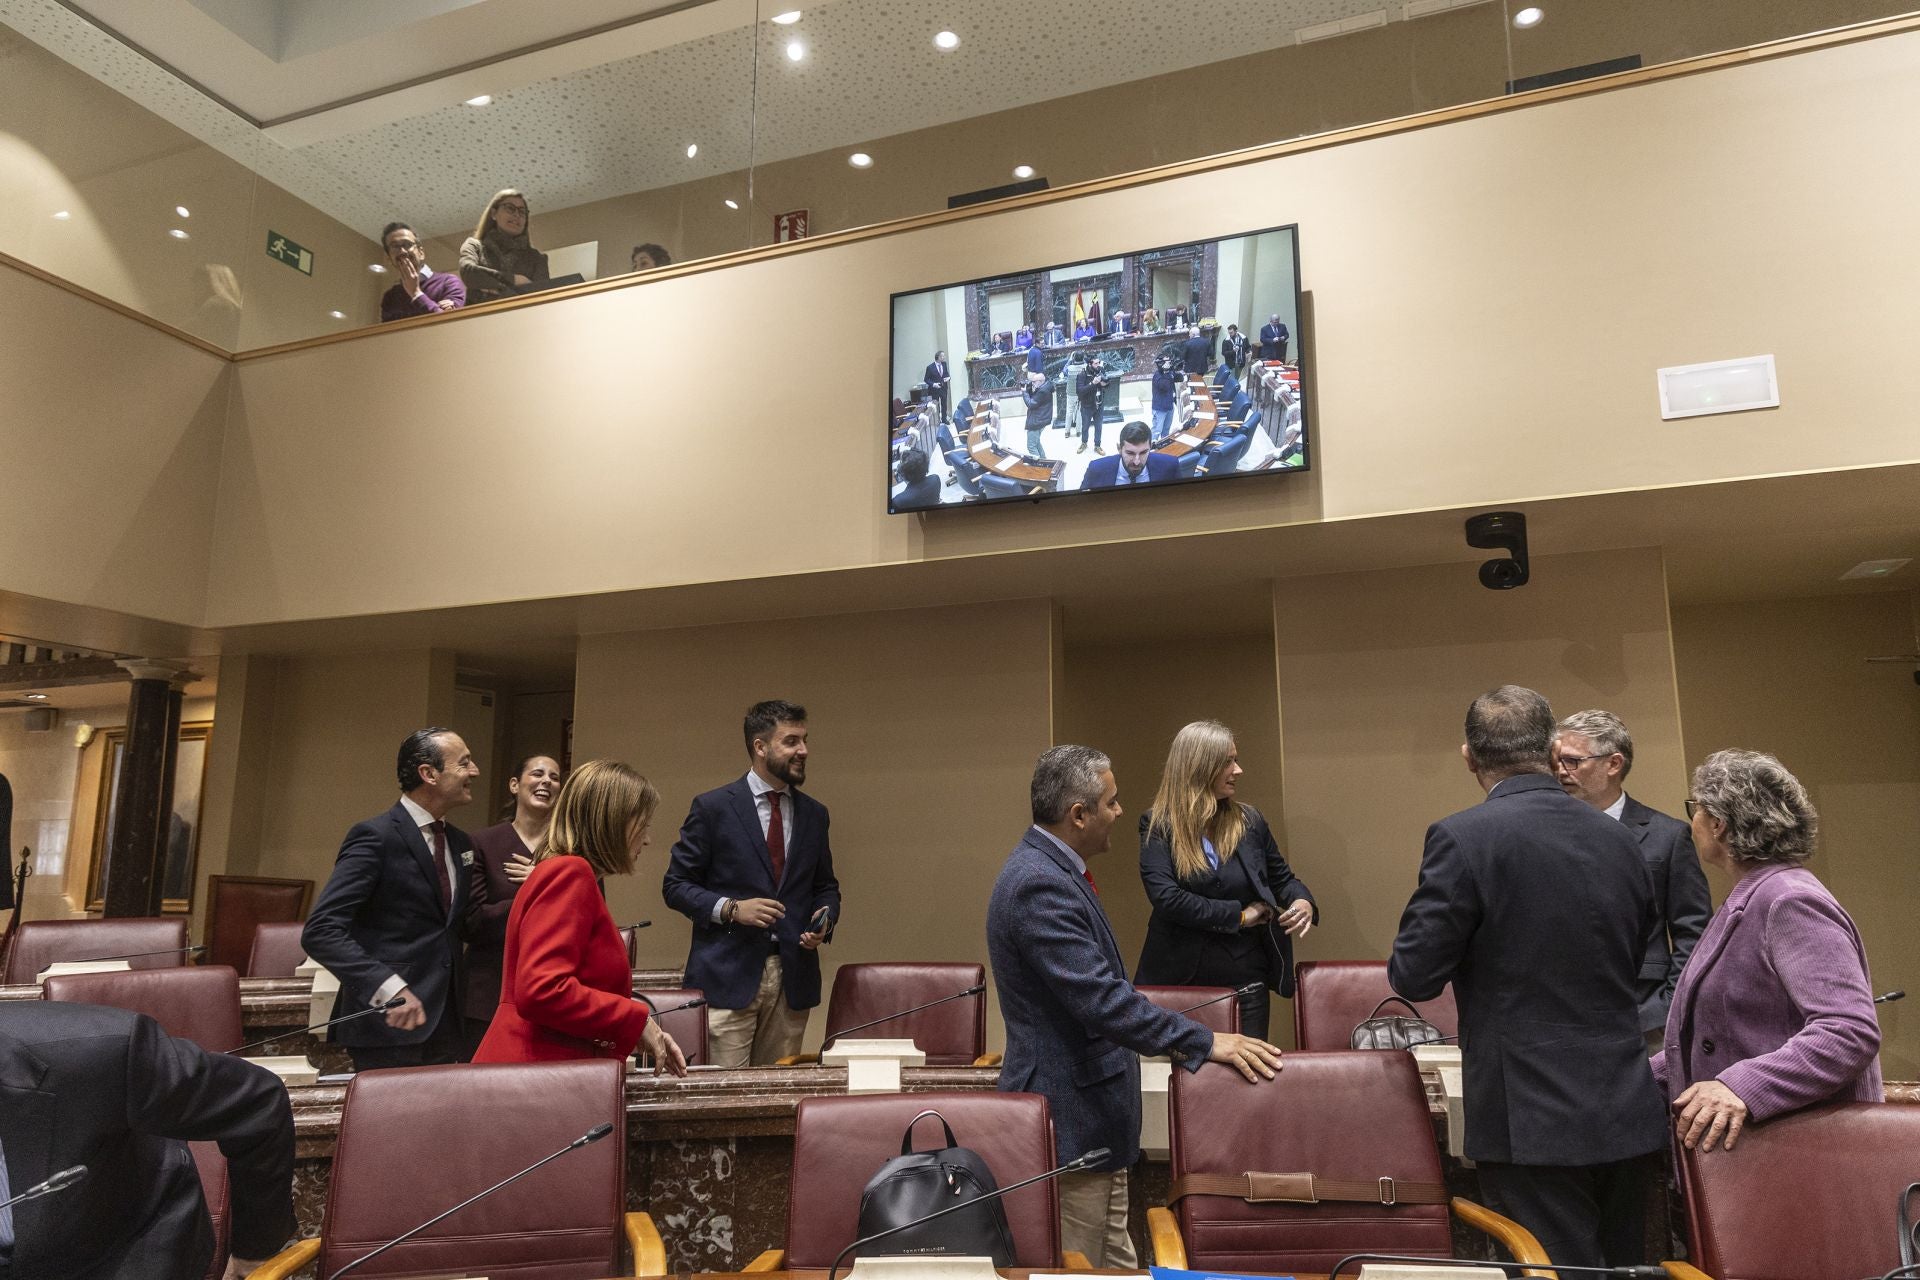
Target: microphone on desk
(1890, 997)
(656, 1010)
(142, 955)
(394, 1003)
(1085, 1162)
(977, 989)
(638, 924)
(58, 1182)
(1251, 989)
(592, 1135)
(1620, 1273)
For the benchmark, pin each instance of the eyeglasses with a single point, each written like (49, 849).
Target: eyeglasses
(1574, 762)
(511, 208)
(1692, 804)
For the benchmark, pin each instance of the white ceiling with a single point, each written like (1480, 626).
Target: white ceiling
(590, 102)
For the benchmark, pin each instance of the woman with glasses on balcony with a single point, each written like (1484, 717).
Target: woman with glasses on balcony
(1774, 1010)
(497, 260)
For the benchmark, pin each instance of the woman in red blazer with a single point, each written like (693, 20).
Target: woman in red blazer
(566, 989)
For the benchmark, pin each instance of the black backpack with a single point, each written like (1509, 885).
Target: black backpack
(914, 1184)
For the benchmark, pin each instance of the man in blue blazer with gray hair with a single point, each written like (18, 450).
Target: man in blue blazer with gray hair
(1074, 1022)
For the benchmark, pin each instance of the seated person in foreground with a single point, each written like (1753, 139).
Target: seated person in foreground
(421, 290)
(1136, 463)
(498, 260)
(917, 488)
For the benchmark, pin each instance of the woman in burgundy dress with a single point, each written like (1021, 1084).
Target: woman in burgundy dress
(503, 854)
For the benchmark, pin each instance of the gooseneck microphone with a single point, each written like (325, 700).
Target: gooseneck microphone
(638, 924)
(594, 1134)
(977, 989)
(142, 955)
(656, 1010)
(1890, 997)
(394, 1003)
(1251, 989)
(58, 1182)
(1086, 1161)
(1620, 1273)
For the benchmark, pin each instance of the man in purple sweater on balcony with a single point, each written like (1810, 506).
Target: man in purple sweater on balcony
(1774, 1010)
(422, 291)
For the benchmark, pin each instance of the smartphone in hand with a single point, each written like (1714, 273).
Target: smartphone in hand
(821, 919)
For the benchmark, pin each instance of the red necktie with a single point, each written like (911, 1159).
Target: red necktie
(439, 830)
(1088, 877)
(776, 838)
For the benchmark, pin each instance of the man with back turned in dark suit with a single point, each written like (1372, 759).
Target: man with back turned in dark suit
(1273, 339)
(106, 1088)
(753, 870)
(1537, 908)
(1074, 1022)
(388, 923)
(1592, 756)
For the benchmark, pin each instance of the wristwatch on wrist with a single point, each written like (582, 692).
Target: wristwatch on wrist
(728, 912)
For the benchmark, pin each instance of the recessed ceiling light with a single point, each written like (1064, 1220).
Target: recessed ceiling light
(338, 315)
(34, 697)
(860, 160)
(178, 234)
(795, 51)
(1528, 17)
(946, 40)
(378, 268)
(62, 215)
(1023, 171)
(1875, 568)
(693, 149)
(182, 211)
(732, 205)
(484, 100)
(786, 19)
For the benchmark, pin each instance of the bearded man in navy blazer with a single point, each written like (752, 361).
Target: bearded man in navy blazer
(389, 921)
(1074, 1022)
(1136, 463)
(753, 870)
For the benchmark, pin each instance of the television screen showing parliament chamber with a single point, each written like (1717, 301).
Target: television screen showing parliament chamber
(1162, 367)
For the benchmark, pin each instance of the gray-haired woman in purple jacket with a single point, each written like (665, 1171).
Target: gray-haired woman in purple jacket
(1774, 1010)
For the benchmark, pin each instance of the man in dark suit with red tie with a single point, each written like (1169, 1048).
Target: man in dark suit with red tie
(388, 922)
(753, 870)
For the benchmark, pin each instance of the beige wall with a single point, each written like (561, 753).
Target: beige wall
(1498, 346)
(1791, 678)
(1376, 672)
(924, 725)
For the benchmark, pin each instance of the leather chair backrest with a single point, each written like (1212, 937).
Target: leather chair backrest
(198, 1004)
(688, 1027)
(39, 943)
(1221, 1015)
(1332, 997)
(952, 1035)
(235, 904)
(416, 1141)
(277, 949)
(1358, 1116)
(1806, 1196)
(840, 1143)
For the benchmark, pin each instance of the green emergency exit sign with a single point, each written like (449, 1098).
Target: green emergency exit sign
(281, 249)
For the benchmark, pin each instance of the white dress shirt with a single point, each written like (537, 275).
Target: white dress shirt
(1617, 808)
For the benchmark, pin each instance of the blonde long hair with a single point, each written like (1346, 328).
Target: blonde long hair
(486, 215)
(1185, 809)
(599, 802)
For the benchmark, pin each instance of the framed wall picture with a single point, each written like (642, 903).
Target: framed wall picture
(183, 823)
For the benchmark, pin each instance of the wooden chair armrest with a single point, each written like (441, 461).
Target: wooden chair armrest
(649, 1250)
(988, 1060)
(796, 1060)
(1513, 1237)
(771, 1260)
(1169, 1250)
(1684, 1271)
(1074, 1260)
(288, 1261)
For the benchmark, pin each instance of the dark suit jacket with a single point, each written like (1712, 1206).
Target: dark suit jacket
(924, 492)
(380, 914)
(1536, 906)
(84, 1084)
(1074, 1022)
(721, 853)
(1233, 353)
(1273, 342)
(1186, 911)
(489, 899)
(1104, 473)
(1681, 906)
(1198, 353)
(1038, 398)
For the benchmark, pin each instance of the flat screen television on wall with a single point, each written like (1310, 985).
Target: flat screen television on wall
(1161, 368)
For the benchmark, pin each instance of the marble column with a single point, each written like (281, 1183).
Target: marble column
(143, 797)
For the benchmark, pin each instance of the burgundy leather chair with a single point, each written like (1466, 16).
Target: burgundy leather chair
(688, 1027)
(1332, 997)
(839, 1143)
(1353, 1117)
(197, 1004)
(235, 904)
(277, 950)
(1807, 1196)
(416, 1141)
(951, 1035)
(39, 943)
(1220, 1015)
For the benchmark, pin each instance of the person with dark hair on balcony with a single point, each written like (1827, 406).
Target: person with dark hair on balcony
(421, 290)
(648, 256)
(498, 260)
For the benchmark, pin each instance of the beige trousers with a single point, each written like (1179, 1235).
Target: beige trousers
(760, 1034)
(1093, 1219)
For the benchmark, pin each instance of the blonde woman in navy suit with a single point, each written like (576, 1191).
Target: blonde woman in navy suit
(1218, 881)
